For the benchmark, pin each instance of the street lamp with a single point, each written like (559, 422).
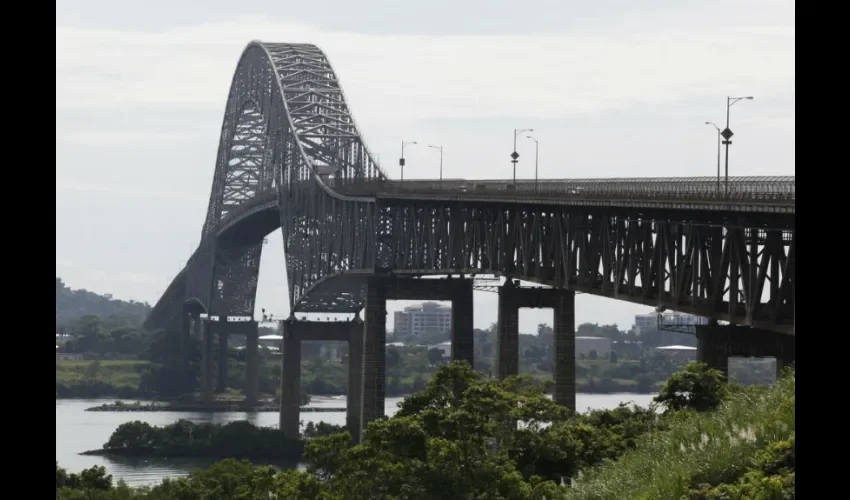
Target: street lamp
(440, 148)
(536, 158)
(727, 133)
(401, 160)
(719, 137)
(515, 155)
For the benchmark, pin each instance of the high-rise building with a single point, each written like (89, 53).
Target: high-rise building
(428, 317)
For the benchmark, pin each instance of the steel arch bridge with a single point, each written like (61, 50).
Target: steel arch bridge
(291, 156)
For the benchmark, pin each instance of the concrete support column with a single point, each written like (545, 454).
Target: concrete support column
(184, 383)
(290, 381)
(203, 331)
(374, 355)
(223, 337)
(355, 380)
(564, 357)
(786, 352)
(252, 361)
(462, 336)
(714, 346)
(507, 349)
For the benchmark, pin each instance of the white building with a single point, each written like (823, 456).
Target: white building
(584, 345)
(272, 341)
(428, 317)
(682, 352)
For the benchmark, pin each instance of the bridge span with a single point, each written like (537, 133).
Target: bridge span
(291, 157)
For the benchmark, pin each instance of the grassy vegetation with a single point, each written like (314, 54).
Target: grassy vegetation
(121, 378)
(709, 448)
(99, 378)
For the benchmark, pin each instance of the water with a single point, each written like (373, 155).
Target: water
(78, 430)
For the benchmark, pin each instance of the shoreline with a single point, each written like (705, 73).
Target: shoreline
(202, 408)
(239, 406)
(292, 454)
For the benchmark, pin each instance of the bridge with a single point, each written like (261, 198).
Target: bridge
(291, 157)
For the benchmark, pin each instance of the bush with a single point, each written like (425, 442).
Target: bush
(711, 448)
(697, 387)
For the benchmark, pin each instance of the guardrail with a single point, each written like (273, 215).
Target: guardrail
(763, 189)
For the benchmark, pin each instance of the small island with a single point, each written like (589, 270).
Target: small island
(184, 438)
(196, 406)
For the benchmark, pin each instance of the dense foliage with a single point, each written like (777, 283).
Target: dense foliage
(712, 453)
(459, 439)
(74, 304)
(697, 387)
(184, 438)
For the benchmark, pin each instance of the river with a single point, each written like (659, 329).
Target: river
(78, 430)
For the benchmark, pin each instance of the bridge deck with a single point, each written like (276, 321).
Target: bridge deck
(743, 194)
(294, 159)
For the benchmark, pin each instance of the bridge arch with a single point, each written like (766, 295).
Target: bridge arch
(290, 156)
(287, 133)
(194, 307)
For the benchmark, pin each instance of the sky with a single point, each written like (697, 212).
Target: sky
(612, 88)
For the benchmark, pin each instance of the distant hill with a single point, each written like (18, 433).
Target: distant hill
(73, 304)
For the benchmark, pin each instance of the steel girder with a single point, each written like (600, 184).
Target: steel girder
(729, 269)
(286, 133)
(290, 156)
(740, 194)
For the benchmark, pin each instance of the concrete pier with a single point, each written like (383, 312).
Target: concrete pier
(511, 299)
(717, 343)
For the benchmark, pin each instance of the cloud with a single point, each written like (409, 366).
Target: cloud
(418, 77)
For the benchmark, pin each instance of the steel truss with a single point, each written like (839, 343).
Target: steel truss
(741, 271)
(287, 133)
(290, 156)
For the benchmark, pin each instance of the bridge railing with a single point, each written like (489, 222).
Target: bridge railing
(704, 189)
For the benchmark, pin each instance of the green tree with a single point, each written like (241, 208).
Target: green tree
(697, 387)
(435, 355)
(133, 435)
(394, 359)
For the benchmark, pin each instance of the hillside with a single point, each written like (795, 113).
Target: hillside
(745, 449)
(73, 304)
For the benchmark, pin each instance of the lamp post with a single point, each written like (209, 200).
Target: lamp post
(401, 160)
(536, 158)
(727, 134)
(515, 155)
(439, 148)
(719, 137)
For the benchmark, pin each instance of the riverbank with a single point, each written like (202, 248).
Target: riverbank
(219, 407)
(291, 455)
(78, 430)
(209, 440)
(124, 379)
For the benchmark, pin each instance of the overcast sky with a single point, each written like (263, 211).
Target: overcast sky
(611, 87)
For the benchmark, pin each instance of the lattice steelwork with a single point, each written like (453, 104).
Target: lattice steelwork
(735, 267)
(291, 156)
(287, 133)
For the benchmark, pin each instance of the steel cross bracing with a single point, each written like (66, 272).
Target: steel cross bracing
(287, 137)
(739, 270)
(291, 157)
